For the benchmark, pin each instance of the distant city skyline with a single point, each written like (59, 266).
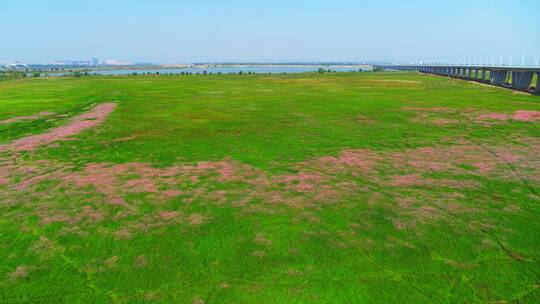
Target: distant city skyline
(165, 31)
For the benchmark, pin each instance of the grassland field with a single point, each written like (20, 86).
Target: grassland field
(299, 188)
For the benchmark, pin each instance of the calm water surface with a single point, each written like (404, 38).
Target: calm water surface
(222, 70)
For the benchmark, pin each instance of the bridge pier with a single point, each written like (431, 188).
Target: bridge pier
(537, 91)
(483, 75)
(522, 80)
(499, 77)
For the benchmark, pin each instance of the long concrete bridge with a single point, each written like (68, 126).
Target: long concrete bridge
(518, 78)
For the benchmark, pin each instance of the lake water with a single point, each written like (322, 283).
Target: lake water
(222, 70)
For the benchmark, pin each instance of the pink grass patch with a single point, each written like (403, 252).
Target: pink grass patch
(444, 121)
(26, 183)
(56, 218)
(459, 184)
(355, 158)
(78, 124)
(172, 193)
(123, 234)
(361, 160)
(101, 177)
(324, 180)
(206, 165)
(20, 272)
(508, 157)
(91, 213)
(302, 182)
(30, 117)
(141, 185)
(428, 212)
(407, 180)
(401, 224)
(227, 172)
(494, 116)
(444, 158)
(430, 165)
(483, 167)
(433, 109)
(520, 115)
(302, 177)
(168, 215)
(106, 179)
(227, 169)
(197, 219)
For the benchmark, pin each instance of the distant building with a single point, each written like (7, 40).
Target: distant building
(95, 61)
(115, 62)
(73, 62)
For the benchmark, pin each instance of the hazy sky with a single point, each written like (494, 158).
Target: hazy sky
(167, 31)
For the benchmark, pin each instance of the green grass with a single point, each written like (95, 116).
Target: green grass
(348, 247)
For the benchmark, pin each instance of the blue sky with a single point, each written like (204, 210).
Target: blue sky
(167, 31)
